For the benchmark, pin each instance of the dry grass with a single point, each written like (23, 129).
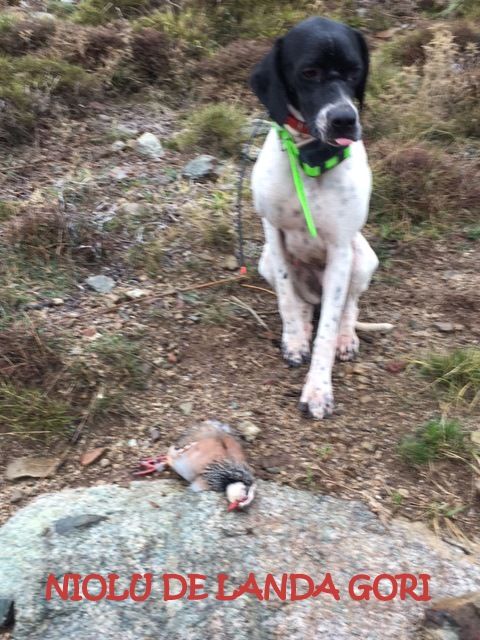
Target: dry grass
(436, 100)
(148, 256)
(33, 87)
(227, 70)
(125, 359)
(41, 231)
(419, 184)
(20, 34)
(151, 53)
(43, 389)
(30, 368)
(27, 357)
(411, 48)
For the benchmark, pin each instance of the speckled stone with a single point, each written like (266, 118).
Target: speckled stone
(162, 527)
(201, 168)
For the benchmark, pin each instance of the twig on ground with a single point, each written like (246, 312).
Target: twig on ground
(244, 305)
(25, 434)
(98, 393)
(252, 286)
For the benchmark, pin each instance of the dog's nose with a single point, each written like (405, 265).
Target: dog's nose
(343, 117)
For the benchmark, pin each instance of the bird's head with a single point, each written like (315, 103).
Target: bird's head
(239, 495)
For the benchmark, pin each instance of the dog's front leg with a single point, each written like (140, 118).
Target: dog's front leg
(317, 395)
(296, 314)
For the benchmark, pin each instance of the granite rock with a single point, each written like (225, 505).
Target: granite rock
(161, 526)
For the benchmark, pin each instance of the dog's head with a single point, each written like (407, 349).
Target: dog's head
(320, 68)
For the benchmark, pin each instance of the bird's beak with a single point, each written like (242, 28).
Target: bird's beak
(233, 505)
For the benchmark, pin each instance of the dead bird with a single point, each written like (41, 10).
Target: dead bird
(210, 457)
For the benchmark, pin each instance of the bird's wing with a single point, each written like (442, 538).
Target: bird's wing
(233, 448)
(191, 460)
(205, 443)
(204, 430)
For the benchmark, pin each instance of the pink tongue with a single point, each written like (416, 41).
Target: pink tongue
(344, 142)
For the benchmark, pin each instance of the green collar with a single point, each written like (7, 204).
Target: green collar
(327, 156)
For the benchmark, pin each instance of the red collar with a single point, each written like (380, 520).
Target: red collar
(297, 124)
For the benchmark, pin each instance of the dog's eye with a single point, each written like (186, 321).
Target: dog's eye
(353, 75)
(312, 73)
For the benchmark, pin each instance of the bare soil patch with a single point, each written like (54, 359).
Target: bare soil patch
(208, 357)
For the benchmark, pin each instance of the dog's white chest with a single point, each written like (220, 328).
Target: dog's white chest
(338, 200)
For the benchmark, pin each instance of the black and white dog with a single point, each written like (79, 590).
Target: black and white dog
(310, 83)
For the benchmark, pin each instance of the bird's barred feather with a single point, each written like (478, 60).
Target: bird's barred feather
(219, 474)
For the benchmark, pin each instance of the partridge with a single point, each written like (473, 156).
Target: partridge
(210, 457)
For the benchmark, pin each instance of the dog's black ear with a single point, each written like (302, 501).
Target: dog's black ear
(362, 83)
(268, 84)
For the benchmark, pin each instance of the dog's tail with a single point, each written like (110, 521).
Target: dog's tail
(374, 327)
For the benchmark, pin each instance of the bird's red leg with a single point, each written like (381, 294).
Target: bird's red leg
(151, 465)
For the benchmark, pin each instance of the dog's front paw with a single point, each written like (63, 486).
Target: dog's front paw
(317, 400)
(347, 346)
(295, 349)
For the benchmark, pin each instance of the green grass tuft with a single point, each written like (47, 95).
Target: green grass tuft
(436, 439)
(217, 128)
(8, 208)
(97, 12)
(457, 372)
(124, 358)
(26, 411)
(60, 9)
(188, 28)
(473, 233)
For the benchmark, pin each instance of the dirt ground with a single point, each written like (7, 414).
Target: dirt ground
(230, 367)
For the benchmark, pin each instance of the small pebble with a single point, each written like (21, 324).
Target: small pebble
(230, 263)
(16, 496)
(367, 445)
(248, 430)
(134, 294)
(366, 399)
(186, 408)
(118, 145)
(154, 434)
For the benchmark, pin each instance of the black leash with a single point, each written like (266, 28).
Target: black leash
(239, 204)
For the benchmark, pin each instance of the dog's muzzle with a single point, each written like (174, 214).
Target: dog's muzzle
(339, 124)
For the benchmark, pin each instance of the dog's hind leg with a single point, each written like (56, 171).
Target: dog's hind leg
(364, 264)
(296, 314)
